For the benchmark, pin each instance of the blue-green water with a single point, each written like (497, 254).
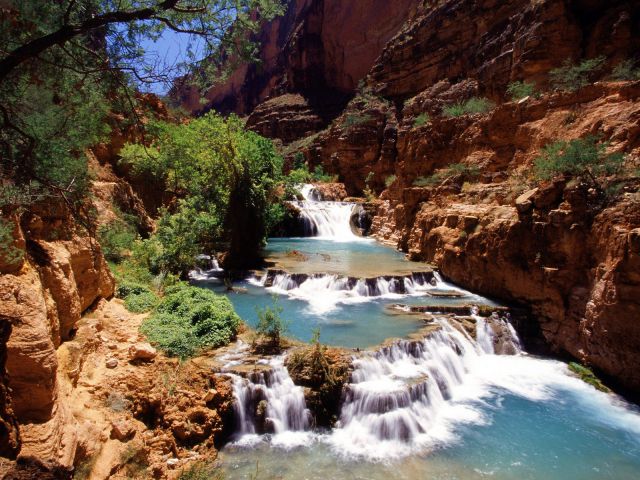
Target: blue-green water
(513, 418)
(510, 417)
(364, 258)
(343, 319)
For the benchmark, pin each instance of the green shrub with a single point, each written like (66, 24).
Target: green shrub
(468, 172)
(353, 119)
(319, 175)
(472, 106)
(189, 319)
(587, 375)
(201, 470)
(519, 90)
(421, 120)
(270, 323)
(116, 239)
(9, 253)
(572, 77)
(626, 70)
(141, 302)
(583, 157)
(299, 176)
(299, 161)
(390, 180)
(455, 110)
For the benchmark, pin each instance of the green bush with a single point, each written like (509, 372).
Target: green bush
(9, 253)
(141, 302)
(455, 110)
(319, 175)
(299, 161)
(353, 119)
(583, 157)
(116, 239)
(299, 176)
(587, 375)
(572, 77)
(626, 71)
(190, 319)
(270, 323)
(421, 120)
(201, 470)
(519, 90)
(390, 180)
(468, 172)
(472, 106)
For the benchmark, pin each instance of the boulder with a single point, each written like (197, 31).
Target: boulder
(524, 203)
(122, 430)
(142, 352)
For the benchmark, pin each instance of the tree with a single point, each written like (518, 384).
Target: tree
(122, 24)
(65, 64)
(224, 177)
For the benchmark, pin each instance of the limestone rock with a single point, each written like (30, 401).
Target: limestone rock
(524, 203)
(122, 430)
(142, 352)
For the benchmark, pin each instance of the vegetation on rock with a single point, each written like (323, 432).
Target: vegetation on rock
(463, 170)
(472, 106)
(573, 76)
(585, 158)
(519, 90)
(625, 71)
(224, 178)
(587, 376)
(421, 120)
(65, 65)
(270, 329)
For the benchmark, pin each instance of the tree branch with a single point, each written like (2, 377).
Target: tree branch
(35, 47)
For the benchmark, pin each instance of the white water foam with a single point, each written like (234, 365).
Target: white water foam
(412, 397)
(211, 274)
(286, 414)
(326, 220)
(326, 292)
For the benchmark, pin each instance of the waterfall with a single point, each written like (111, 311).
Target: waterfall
(328, 220)
(394, 402)
(324, 291)
(267, 401)
(208, 269)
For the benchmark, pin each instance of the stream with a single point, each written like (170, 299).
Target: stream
(448, 406)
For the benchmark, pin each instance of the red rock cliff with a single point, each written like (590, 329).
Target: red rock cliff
(320, 49)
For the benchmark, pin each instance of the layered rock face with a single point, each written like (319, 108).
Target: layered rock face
(319, 49)
(560, 248)
(43, 295)
(497, 42)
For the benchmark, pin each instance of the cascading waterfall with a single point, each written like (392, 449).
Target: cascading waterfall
(284, 409)
(393, 403)
(330, 220)
(209, 269)
(325, 291)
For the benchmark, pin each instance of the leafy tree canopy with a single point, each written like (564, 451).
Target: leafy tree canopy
(64, 64)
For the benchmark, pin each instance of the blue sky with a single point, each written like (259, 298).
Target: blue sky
(171, 49)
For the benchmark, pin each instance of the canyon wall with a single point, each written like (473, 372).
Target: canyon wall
(59, 274)
(319, 50)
